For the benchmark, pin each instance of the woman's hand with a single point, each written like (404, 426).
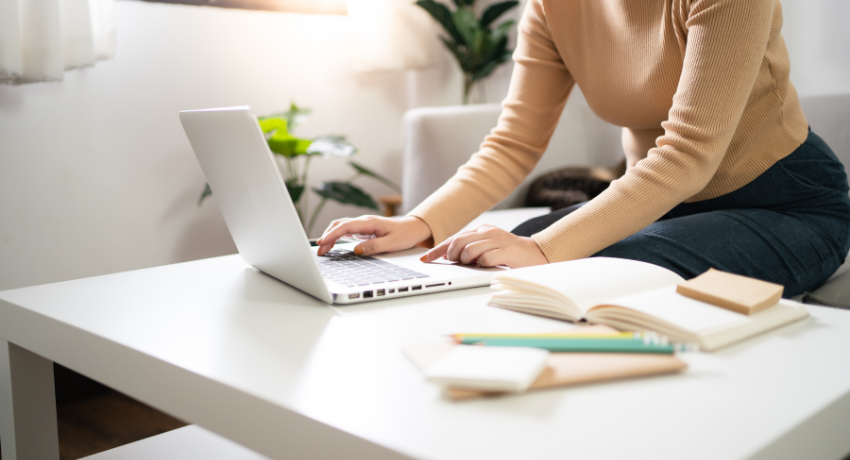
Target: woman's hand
(489, 246)
(389, 234)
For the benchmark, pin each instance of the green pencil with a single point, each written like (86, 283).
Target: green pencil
(580, 344)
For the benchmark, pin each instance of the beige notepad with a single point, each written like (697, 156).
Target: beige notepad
(563, 368)
(733, 292)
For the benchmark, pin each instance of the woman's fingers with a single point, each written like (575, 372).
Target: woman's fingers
(347, 227)
(495, 257)
(476, 249)
(389, 234)
(440, 250)
(436, 252)
(460, 242)
(324, 248)
(489, 246)
(376, 246)
(453, 246)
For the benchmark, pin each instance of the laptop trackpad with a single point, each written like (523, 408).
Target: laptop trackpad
(441, 268)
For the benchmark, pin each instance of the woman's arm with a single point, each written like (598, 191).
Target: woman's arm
(540, 85)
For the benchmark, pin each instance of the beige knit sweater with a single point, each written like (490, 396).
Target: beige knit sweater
(700, 86)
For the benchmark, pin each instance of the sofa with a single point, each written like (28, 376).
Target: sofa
(437, 140)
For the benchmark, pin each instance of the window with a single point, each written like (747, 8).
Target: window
(336, 7)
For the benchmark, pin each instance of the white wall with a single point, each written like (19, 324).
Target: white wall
(96, 175)
(818, 41)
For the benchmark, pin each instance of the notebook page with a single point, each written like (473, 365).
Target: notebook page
(686, 313)
(592, 281)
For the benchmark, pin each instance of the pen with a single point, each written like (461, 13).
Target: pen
(579, 344)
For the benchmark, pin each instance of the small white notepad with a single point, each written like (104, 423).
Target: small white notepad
(511, 369)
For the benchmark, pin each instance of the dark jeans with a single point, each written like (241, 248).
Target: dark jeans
(791, 226)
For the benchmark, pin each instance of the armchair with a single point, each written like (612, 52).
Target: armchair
(438, 140)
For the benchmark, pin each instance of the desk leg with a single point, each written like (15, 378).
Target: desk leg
(27, 405)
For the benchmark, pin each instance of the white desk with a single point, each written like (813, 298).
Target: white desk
(218, 344)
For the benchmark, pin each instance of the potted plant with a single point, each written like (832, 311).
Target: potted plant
(294, 155)
(476, 43)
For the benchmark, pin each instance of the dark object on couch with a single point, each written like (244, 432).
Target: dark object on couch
(575, 184)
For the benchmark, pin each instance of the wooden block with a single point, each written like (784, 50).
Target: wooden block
(732, 292)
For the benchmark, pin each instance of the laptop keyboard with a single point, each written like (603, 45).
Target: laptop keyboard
(347, 269)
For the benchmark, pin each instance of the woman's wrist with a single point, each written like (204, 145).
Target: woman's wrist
(419, 230)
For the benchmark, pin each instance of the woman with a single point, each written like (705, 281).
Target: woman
(723, 170)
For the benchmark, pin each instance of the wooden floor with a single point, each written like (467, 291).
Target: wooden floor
(104, 421)
(107, 421)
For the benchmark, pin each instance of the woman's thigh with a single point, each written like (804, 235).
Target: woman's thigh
(779, 247)
(540, 223)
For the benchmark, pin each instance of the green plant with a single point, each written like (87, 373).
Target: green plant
(478, 47)
(294, 155)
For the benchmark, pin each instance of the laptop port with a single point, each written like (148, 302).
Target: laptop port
(354, 296)
(381, 292)
(391, 291)
(415, 288)
(367, 294)
(404, 289)
(435, 285)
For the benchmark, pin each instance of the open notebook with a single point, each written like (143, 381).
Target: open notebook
(631, 295)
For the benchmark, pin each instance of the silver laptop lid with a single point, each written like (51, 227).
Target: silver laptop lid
(244, 178)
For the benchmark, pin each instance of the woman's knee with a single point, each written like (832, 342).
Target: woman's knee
(659, 251)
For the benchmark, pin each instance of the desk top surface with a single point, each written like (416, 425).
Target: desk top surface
(162, 334)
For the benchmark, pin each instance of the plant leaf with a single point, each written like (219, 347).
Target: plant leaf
(462, 3)
(207, 192)
(494, 11)
(302, 146)
(297, 115)
(497, 50)
(331, 146)
(273, 123)
(280, 140)
(345, 193)
(282, 143)
(295, 189)
(443, 15)
(294, 116)
(462, 59)
(466, 24)
(488, 68)
(503, 28)
(482, 46)
(368, 172)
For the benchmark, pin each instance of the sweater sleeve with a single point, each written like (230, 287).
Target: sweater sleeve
(540, 85)
(726, 42)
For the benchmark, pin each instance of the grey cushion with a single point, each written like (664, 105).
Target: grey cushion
(835, 293)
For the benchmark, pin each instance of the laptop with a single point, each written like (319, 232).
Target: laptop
(251, 194)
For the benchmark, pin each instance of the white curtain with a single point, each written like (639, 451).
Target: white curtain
(391, 35)
(40, 39)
